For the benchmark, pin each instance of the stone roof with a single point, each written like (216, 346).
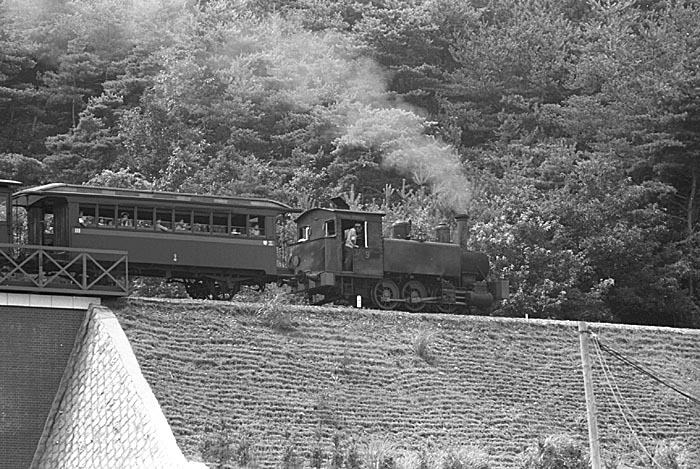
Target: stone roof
(105, 414)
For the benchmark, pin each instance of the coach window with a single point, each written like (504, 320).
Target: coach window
(238, 224)
(48, 223)
(256, 225)
(126, 217)
(105, 215)
(144, 218)
(164, 220)
(86, 215)
(329, 227)
(201, 222)
(183, 221)
(220, 223)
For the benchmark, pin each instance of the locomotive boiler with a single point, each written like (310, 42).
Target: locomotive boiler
(388, 272)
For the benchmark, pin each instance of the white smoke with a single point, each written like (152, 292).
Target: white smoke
(399, 134)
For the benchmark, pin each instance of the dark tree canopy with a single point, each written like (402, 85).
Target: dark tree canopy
(568, 130)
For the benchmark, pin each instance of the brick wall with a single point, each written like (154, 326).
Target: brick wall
(35, 345)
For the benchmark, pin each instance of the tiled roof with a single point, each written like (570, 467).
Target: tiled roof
(105, 414)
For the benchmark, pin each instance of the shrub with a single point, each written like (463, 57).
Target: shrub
(554, 452)
(666, 455)
(290, 459)
(338, 457)
(228, 449)
(379, 453)
(671, 455)
(422, 343)
(466, 458)
(272, 312)
(353, 460)
(462, 458)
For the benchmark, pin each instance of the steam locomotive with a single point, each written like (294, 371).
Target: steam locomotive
(84, 240)
(389, 272)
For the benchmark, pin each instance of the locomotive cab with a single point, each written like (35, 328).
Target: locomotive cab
(321, 246)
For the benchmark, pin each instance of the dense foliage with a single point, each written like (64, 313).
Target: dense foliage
(567, 130)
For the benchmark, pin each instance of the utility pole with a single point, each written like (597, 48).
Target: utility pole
(584, 334)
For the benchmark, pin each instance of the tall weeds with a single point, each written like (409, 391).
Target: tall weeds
(422, 344)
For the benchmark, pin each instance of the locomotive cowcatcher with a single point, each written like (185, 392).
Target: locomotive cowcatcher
(389, 273)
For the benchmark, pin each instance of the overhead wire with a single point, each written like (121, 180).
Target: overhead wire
(615, 391)
(607, 372)
(644, 371)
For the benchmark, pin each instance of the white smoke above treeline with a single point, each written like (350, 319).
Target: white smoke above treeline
(327, 73)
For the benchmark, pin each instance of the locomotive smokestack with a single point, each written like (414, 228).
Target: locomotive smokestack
(462, 230)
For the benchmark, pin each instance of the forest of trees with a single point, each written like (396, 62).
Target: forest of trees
(568, 130)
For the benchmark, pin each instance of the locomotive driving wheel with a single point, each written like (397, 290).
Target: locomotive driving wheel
(384, 294)
(444, 304)
(414, 292)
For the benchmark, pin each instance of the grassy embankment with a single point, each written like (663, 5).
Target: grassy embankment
(273, 380)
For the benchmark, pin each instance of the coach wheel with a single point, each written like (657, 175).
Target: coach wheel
(215, 290)
(384, 294)
(224, 291)
(414, 293)
(196, 289)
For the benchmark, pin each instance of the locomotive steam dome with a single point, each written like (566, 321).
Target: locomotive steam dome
(442, 233)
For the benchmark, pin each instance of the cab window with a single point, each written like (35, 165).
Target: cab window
(329, 228)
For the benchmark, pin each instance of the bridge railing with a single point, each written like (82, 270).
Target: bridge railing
(47, 269)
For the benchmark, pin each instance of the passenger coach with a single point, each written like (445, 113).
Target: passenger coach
(212, 244)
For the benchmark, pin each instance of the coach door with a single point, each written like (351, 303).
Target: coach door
(5, 215)
(48, 223)
(7, 187)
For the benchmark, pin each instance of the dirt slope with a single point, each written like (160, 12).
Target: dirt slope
(496, 383)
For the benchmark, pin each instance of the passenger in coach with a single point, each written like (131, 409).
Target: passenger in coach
(160, 226)
(124, 220)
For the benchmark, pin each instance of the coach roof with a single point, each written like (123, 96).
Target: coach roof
(66, 190)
